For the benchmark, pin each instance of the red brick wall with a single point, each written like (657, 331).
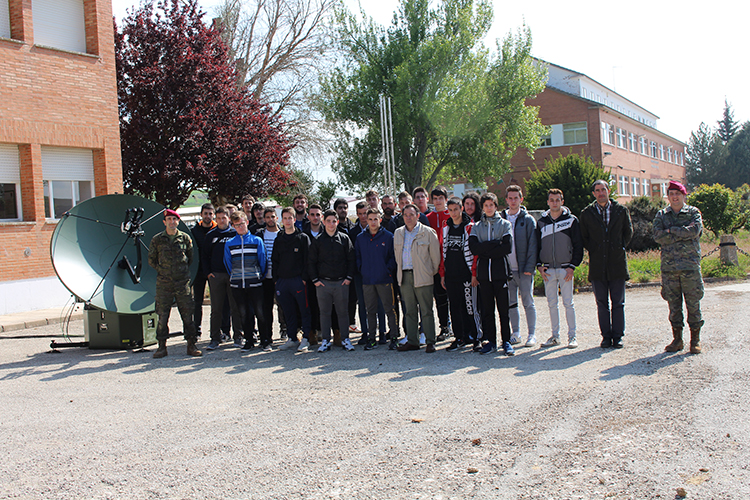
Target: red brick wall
(55, 98)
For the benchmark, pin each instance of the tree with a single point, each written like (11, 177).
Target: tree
(643, 210)
(723, 210)
(316, 191)
(737, 170)
(705, 157)
(573, 174)
(456, 110)
(183, 123)
(727, 125)
(279, 48)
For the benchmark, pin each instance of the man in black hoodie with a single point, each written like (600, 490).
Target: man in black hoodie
(455, 277)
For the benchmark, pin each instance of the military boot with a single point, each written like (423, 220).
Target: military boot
(695, 340)
(676, 344)
(191, 349)
(161, 352)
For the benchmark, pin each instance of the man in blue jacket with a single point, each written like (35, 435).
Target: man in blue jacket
(245, 259)
(377, 265)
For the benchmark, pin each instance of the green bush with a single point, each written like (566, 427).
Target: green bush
(573, 174)
(722, 209)
(643, 209)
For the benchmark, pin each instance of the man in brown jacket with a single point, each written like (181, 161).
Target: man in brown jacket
(417, 254)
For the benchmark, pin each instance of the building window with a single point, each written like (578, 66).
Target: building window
(646, 187)
(4, 19)
(546, 141)
(575, 133)
(631, 141)
(643, 145)
(623, 185)
(681, 163)
(661, 151)
(68, 175)
(653, 149)
(608, 134)
(10, 183)
(621, 138)
(669, 155)
(59, 24)
(635, 182)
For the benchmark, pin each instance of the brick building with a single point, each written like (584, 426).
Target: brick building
(59, 133)
(588, 118)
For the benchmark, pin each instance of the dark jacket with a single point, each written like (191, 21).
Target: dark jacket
(559, 240)
(213, 250)
(289, 256)
(524, 240)
(606, 245)
(376, 261)
(331, 257)
(491, 241)
(200, 233)
(456, 244)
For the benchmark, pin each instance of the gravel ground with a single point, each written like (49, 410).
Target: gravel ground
(556, 423)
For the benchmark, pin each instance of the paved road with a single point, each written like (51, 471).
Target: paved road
(551, 423)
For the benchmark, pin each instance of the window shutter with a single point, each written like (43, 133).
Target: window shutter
(4, 19)
(59, 24)
(10, 165)
(67, 164)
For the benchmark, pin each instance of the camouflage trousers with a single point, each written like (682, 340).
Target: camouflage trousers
(167, 293)
(678, 284)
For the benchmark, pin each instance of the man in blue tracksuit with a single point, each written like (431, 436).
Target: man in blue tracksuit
(376, 263)
(245, 259)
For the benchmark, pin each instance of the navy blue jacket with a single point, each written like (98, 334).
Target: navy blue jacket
(213, 250)
(375, 258)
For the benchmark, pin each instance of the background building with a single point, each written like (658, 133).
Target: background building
(59, 133)
(589, 119)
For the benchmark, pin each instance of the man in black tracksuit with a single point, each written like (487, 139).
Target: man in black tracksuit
(455, 275)
(289, 268)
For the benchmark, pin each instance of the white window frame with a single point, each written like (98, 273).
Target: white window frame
(63, 165)
(10, 173)
(579, 131)
(643, 145)
(608, 134)
(669, 155)
(632, 143)
(646, 188)
(653, 149)
(622, 138)
(661, 152)
(624, 185)
(634, 183)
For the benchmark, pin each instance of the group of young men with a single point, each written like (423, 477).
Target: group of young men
(470, 260)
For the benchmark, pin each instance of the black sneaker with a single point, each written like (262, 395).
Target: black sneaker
(370, 346)
(393, 345)
(454, 346)
(362, 340)
(477, 346)
(383, 340)
(249, 344)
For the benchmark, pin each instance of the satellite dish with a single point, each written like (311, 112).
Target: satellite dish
(99, 251)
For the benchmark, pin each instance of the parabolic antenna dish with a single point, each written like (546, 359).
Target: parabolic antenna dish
(95, 253)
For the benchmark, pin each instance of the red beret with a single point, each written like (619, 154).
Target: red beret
(677, 187)
(169, 211)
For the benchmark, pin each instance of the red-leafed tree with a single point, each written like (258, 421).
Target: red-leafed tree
(184, 125)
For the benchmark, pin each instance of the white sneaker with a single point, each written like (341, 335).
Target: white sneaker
(572, 343)
(422, 339)
(325, 345)
(347, 345)
(303, 345)
(289, 344)
(515, 339)
(403, 340)
(552, 341)
(531, 342)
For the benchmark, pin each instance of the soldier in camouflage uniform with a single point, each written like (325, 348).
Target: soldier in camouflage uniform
(171, 253)
(677, 228)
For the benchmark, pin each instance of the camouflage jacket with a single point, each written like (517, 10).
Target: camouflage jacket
(171, 259)
(679, 235)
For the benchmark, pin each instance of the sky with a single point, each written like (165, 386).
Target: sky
(677, 60)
